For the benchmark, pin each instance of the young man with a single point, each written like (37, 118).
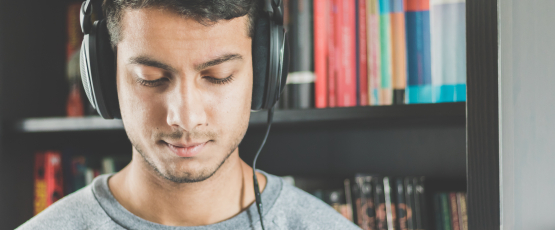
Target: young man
(184, 83)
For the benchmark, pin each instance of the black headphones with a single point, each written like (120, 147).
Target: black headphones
(270, 60)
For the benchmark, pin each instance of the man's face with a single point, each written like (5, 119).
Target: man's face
(184, 90)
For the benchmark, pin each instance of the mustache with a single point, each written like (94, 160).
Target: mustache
(193, 135)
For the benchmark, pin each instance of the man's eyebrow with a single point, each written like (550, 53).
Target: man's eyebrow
(147, 61)
(218, 60)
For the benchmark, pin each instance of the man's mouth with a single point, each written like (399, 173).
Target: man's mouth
(186, 149)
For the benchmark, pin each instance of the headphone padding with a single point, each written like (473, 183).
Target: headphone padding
(260, 54)
(107, 70)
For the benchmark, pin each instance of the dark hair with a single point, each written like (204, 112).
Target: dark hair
(206, 12)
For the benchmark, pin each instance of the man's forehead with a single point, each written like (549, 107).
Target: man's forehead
(159, 22)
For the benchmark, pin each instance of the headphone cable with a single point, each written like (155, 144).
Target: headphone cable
(255, 180)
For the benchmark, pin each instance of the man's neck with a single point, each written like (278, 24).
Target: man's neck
(147, 195)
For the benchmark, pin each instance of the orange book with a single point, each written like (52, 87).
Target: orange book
(40, 202)
(398, 51)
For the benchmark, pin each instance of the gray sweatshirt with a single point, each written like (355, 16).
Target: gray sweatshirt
(94, 207)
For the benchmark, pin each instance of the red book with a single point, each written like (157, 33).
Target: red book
(454, 211)
(321, 20)
(334, 53)
(40, 202)
(346, 83)
(53, 176)
(363, 76)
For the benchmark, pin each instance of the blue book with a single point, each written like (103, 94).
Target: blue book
(419, 79)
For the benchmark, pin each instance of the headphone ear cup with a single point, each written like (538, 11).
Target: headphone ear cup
(98, 71)
(285, 64)
(84, 66)
(107, 70)
(260, 54)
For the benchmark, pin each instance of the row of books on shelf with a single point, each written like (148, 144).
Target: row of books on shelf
(57, 174)
(349, 53)
(370, 201)
(386, 203)
(375, 52)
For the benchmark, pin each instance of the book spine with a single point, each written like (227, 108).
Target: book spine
(445, 211)
(438, 212)
(461, 203)
(362, 54)
(402, 212)
(53, 176)
(347, 81)
(454, 211)
(398, 51)
(386, 90)
(422, 218)
(40, 202)
(75, 102)
(448, 45)
(418, 52)
(379, 201)
(364, 202)
(306, 47)
(417, 209)
(334, 52)
(348, 199)
(78, 171)
(321, 17)
(389, 205)
(373, 51)
(409, 200)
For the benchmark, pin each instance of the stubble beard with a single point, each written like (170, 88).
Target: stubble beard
(188, 177)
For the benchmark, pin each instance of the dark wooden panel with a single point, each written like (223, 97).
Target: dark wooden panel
(482, 115)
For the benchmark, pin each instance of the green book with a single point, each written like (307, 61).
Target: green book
(386, 91)
(445, 211)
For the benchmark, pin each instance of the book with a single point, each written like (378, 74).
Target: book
(454, 211)
(398, 51)
(334, 33)
(379, 204)
(409, 200)
(75, 100)
(448, 47)
(53, 177)
(420, 203)
(373, 51)
(391, 216)
(438, 212)
(463, 217)
(363, 196)
(78, 169)
(108, 165)
(346, 81)
(40, 193)
(349, 199)
(445, 211)
(386, 90)
(301, 77)
(362, 60)
(321, 20)
(419, 79)
(403, 214)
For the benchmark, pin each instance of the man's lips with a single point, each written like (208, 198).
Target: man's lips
(186, 150)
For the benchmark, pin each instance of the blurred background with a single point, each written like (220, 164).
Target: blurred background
(401, 114)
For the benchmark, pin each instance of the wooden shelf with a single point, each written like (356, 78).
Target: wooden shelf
(444, 112)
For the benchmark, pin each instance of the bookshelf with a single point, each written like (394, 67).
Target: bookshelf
(443, 113)
(452, 143)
